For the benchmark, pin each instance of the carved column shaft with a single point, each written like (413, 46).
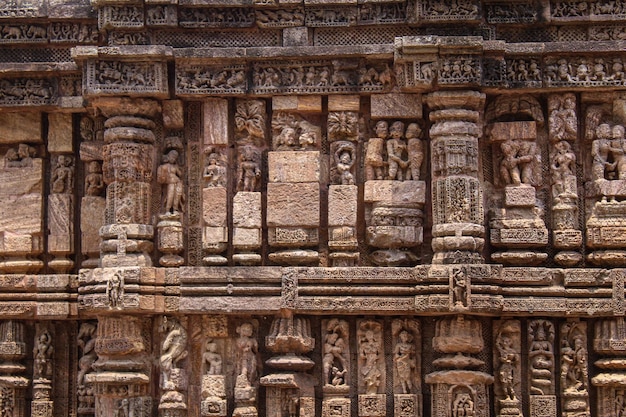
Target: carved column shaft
(128, 166)
(458, 231)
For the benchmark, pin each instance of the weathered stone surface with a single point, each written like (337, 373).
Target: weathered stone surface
(247, 210)
(23, 127)
(214, 206)
(294, 166)
(215, 121)
(60, 133)
(293, 204)
(401, 106)
(342, 205)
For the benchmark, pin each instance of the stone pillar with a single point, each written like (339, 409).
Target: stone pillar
(12, 383)
(250, 142)
(61, 199)
(457, 201)
(215, 175)
(290, 389)
(293, 190)
(128, 165)
(609, 341)
(343, 135)
(93, 202)
(122, 372)
(456, 390)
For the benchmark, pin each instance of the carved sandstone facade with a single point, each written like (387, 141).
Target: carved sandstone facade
(312, 208)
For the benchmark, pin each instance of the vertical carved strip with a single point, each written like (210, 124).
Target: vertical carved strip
(192, 134)
(407, 367)
(563, 132)
(43, 366)
(173, 381)
(86, 341)
(371, 369)
(541, 368)
(574, 369)
(507, 356)
(12, 384)
(336, 378)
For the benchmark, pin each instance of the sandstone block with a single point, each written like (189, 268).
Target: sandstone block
(91, 219)
(396, 193)
(513, 130)
(396, 105)
(215, 121)
(297, 103)
(246, 238)
(22, 214)
(342, 205)
(298, 36)
(294, 166)
(293, 204)
(212, 235)
(247, 210)
(21, 181)
(214, 206)
(344, 103)
(519, 196)
(60, 132)
(20, 127)
(173, 117)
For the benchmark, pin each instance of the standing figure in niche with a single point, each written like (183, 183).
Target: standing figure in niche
(63, 176)
(415, 147)
(173, 348)
(170, 175)
(563, 167)
(249, 171)
(404, 359)
(618, 144)
(370, 353)
(374, 154)
(508, 359)
(94, 184)
(214, 173)
(43, 355)
(344, 161)
(333, 354)
(247, 350)
(601, 149)
(396, 150)
(540, 356)
(516, 165)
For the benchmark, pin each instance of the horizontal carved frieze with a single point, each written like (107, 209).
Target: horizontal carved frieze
(119, 77)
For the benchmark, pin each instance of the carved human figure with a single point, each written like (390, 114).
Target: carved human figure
(42, 353)
(370, 368)
(563, 166)
(94, 184)
(601, 149)
(404, 359)
(122, 408)
(86, 342)
(463, 405)
(563, 119)
(415, 148)
(20, 157)
(344, 161)
(286, 139)
(115, 290)
(508, 360)
(63, 175)
(618, 144)
(574, 372)
(374, 154)
(214, 173)
(459, 290)
(170, 175)
(541, 362)
(212, 358)
(247, 350)
(516, 166)
(396, 152)
(173, 348)
(249, 170)
(334, 359)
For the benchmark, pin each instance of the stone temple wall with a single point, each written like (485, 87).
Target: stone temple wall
(312, 208)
